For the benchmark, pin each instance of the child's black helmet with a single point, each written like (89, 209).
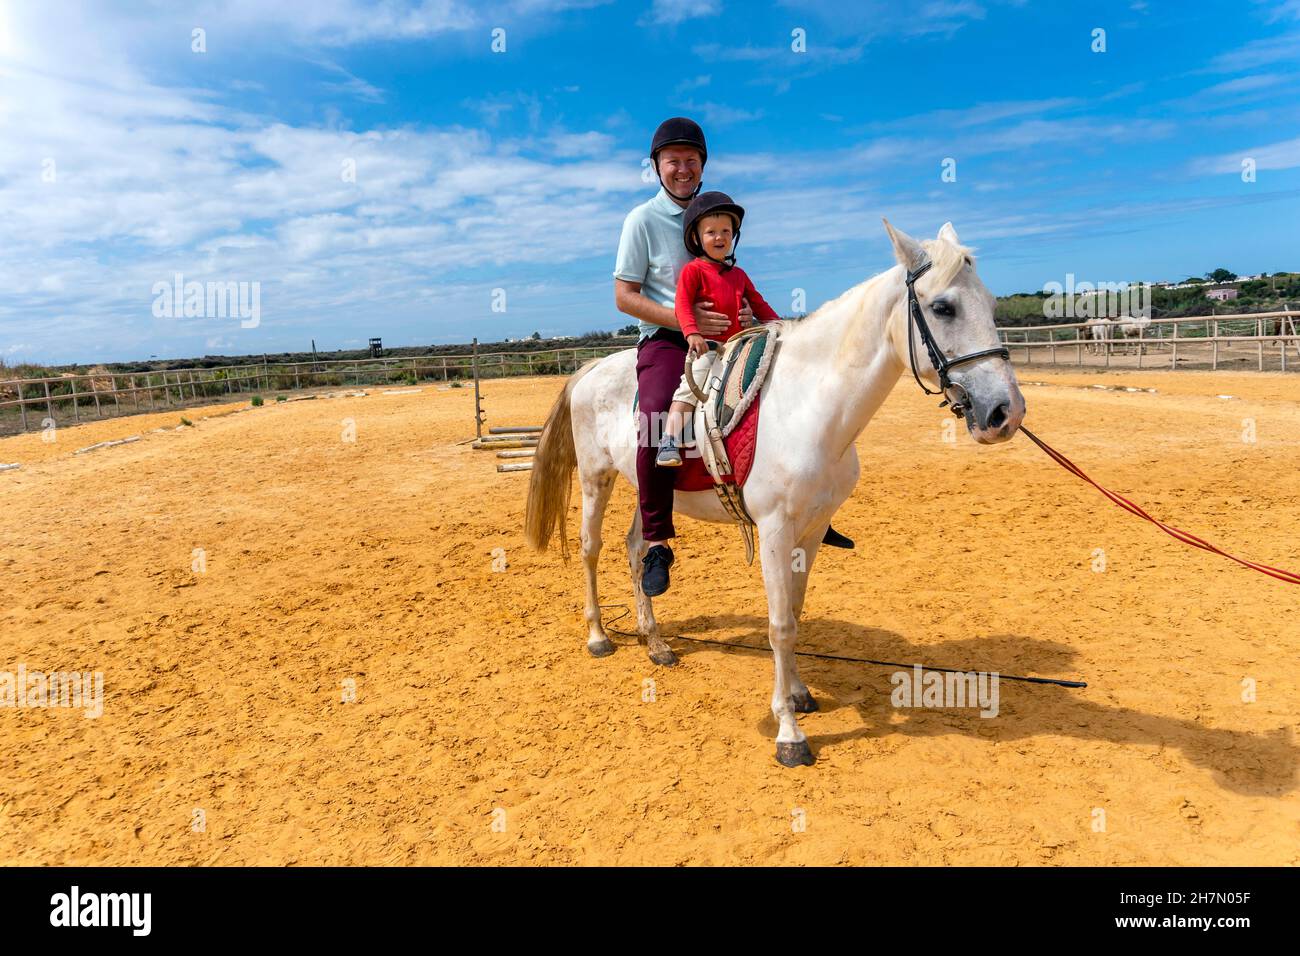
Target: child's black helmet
(707, 204)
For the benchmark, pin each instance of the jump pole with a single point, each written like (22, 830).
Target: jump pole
(478, 404)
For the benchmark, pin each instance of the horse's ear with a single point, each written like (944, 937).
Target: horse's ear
(907, 250)
(949, 234)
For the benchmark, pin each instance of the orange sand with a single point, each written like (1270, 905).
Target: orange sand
(373, 560)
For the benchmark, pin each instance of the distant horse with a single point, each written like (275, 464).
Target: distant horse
(1098, 333)
(832, 372)
(1136, 327)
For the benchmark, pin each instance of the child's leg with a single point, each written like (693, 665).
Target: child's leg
(676, 421)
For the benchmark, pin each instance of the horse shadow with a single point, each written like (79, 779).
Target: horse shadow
(1240, 761)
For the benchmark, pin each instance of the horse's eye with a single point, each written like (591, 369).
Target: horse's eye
(944, 308)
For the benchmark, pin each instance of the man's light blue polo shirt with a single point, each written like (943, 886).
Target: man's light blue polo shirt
(651, 252)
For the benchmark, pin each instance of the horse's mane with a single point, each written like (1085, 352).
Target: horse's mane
(946, 258)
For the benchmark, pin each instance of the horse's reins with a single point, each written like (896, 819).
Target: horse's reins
(960, 406)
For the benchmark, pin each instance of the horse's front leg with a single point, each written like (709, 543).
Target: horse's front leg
(801, 565)
(792, 748)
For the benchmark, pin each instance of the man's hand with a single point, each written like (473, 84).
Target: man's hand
(698, 346)
(746, 315)
(708, 322)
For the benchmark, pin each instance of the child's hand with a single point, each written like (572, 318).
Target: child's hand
(698, 346)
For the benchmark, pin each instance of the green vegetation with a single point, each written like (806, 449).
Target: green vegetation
(1270, 294)
(256, 401)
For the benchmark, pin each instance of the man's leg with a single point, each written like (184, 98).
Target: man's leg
(658, 373)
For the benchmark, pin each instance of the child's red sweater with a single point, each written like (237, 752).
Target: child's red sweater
(702, 279)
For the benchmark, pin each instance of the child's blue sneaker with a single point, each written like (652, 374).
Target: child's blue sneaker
(669, 454)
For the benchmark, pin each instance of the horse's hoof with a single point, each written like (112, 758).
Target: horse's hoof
(805, 703)
(601, 649)
(664, 657)
(796, 754)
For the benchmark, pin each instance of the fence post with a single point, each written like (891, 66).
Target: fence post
(1173, 362)
(94, 390)
(22, 405)
(76, 410)
(49, 406)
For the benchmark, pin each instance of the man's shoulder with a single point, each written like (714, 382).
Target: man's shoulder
(640, 212)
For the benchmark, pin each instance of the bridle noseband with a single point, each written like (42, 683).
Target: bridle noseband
(941, 364)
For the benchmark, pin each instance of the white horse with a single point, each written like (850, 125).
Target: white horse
(1099, 333)
(833, 371)
(1136, 327)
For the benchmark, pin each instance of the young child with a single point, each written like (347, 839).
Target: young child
(712, 228)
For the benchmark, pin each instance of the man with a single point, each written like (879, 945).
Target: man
(651, 253)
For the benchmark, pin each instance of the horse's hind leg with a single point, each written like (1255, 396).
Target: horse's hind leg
(595, 496)
(647, 627)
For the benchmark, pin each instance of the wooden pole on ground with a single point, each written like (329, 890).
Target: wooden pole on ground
(478, 404)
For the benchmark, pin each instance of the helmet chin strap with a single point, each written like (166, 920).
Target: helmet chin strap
(728, 261)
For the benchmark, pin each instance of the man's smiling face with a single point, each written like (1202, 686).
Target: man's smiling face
(680, 169)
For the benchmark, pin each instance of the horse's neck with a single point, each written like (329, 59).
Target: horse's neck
(839, 368)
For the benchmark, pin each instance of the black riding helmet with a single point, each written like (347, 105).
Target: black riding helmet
(708, 204)
(678, 131)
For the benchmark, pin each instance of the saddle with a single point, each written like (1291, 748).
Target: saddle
(726, 423)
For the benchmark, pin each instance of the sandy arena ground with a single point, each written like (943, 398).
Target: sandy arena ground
(373, 560)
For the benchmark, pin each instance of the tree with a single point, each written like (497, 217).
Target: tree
(1221, 275)
(536, 336)
(629, 330)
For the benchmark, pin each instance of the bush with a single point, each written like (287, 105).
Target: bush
(281, 398)
(256, 401)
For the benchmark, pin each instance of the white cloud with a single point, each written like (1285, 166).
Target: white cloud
(673, 12)
(1282, 155)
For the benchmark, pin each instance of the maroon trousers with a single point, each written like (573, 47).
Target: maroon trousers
(659, 363)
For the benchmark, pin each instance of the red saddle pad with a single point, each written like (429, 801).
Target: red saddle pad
(693, 476)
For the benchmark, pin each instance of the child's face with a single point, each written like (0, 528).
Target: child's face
(716, 234)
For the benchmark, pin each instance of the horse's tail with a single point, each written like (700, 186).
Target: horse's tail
(551, 478)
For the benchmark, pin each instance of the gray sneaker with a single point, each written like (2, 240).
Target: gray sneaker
(669, 455)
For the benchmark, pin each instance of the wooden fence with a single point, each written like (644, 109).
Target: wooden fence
(1203, 337)
(32, 402)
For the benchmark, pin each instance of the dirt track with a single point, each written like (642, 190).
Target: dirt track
(329, 560)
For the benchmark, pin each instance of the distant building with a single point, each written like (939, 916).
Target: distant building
(1221, 294)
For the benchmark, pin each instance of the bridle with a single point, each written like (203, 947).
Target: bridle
(941, 364)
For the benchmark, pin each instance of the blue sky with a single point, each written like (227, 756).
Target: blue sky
(126, 157)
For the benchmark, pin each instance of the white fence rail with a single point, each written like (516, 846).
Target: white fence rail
(1205, 339)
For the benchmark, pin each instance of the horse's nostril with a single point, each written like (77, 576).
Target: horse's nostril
(998, 417)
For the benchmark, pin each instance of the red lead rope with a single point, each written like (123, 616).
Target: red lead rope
(1289, 576)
